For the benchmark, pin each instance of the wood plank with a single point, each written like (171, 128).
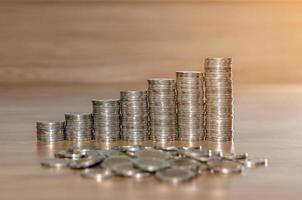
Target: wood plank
(267, 125)
(88, 43)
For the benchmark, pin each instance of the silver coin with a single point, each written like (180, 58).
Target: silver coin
(225, 166)
(175, 175)
(125, 169)
(86, 162)
(55, 163)
(99, 174)
(152, 153)
(150, 164)
(185, 163)
(109, 162)
(255, 162)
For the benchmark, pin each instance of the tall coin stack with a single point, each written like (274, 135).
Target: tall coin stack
(162, 109)
(78, 126)
(50, 131)
(134, 115)
(189, 89)
(219, 99)
(106, 116)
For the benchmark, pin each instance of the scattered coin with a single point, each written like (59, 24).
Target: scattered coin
(109, 162)
(99, 174)
(152, 153)
(175, 175)
(225, 166)
(125, 169)
(150, 164)
(86, 162)
(55, 163)
(185, 163)
(255, 162)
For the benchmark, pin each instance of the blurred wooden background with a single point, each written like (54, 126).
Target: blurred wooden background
(67, 41)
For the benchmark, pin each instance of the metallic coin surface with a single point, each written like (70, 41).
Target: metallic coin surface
(109, 162)
(175, 175)
(150, 164)
(225, 166)
(185, 163)
(55, 163)
(99, 174)
(125, 169)
(255, 162)
(152, 153)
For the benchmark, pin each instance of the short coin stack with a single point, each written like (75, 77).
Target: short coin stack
(106, 116)
(162, 109)
(48, 131)
(219, 99)
(78, 126)
(134, 115)
(189, 89)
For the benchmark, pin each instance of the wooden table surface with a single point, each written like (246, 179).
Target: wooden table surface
(268, 124)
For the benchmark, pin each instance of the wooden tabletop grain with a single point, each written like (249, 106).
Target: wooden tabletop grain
(267, 124)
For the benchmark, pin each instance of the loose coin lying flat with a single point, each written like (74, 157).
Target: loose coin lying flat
(109, 162)
(255, 162)
(235, 156)
(150, 164)
(202, 156)
(225, 166)
(125, 169)
(55, 163)
(141, 175)
(185, 163)
(113, 152)
(72, 153)
(98, 174)
(175, 175)
(152, 153)
(86, 162)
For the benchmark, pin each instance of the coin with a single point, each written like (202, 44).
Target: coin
(219, 99)
(86, 162)
(185, 163)
(78, 126)
(109, 162)
(255, 162)
(134, 115)
(152, 153)
(162, 109)
(55, 163)
(225, 166)
(175, 175)
(50, 131)
(190, 110)
(150, 164)
(106, 116)
(99, 174)
(125, 169)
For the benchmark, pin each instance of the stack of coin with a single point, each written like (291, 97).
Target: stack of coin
(78, 126)
(48, 131)
(189, 89)
(162, 109)
(106, 115)
(219, 99)
(134, 115)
